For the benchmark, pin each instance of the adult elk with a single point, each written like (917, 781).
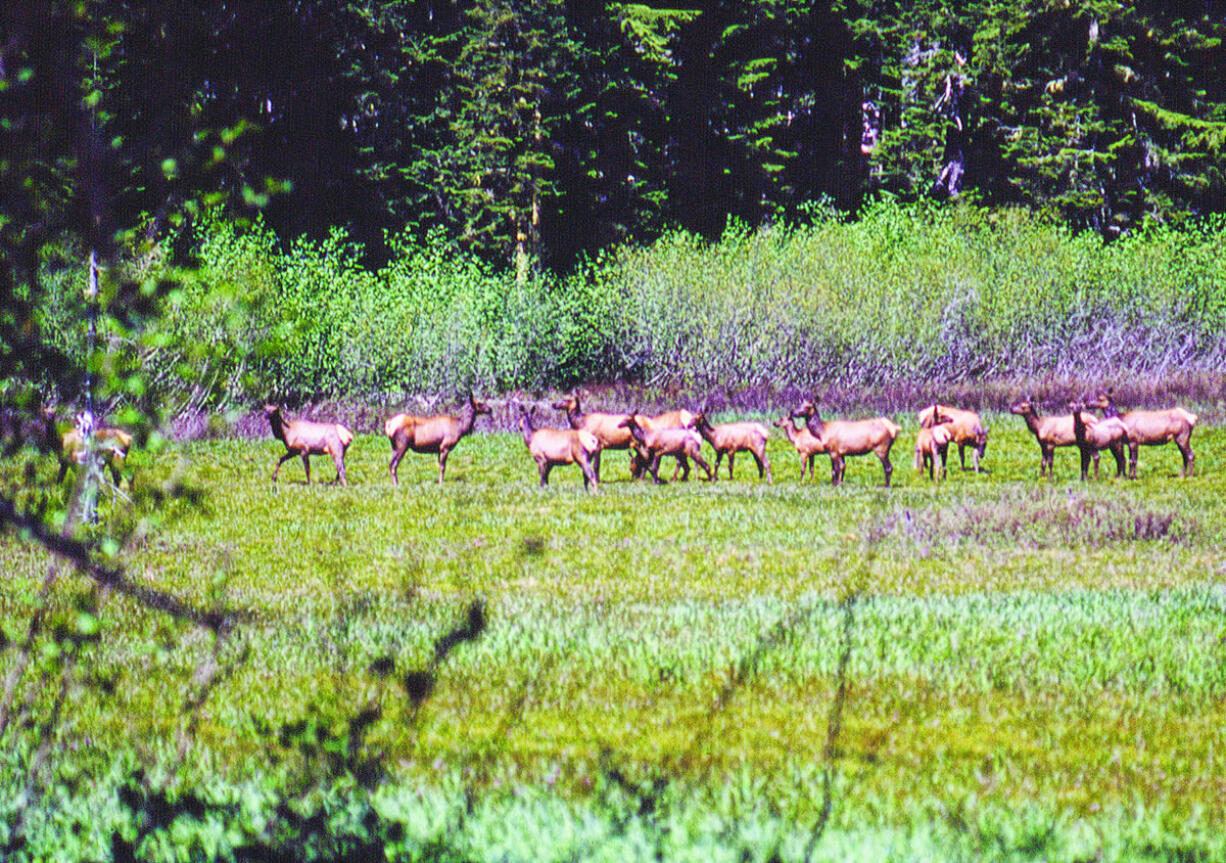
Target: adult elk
(731, 438)
(1108, 433)
(436, 434)
(1154, 428)
(842, 438)
(552, 447)
(965, 429)
(68, 444)
(305, 438)
(607, 429)
(1052, 432)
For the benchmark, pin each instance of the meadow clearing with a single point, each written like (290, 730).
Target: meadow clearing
(989, 666)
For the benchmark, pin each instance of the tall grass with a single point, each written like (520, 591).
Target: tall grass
(900, 294)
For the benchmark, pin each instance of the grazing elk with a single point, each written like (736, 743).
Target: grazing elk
(436, 434)
(731, 438)
(807, 446)
(552, 447)
(965, 428)
(1051, 432)
(655, 443)
(1153, 428)
(1110, 434)
(305, 438)
(606, 427)
(841, 438)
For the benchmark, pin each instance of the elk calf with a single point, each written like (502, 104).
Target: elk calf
(807, 446)
(655, 443)
(965, 428)
(932, 442)
(305, 438)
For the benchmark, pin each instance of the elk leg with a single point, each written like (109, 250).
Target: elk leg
(442, 463)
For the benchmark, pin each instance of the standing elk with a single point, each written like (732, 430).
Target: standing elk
(731, 438)
(1154, 428)
(1091, 439)
(674, 419)
(1052, 432)
(606, 427)
(436, 434)
(655, 443)
(932, 442)
(305, 438)
(552, 447)
(965, 428)
(807, 446)
(841, 438)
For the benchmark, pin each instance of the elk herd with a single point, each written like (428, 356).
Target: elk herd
(680, 435)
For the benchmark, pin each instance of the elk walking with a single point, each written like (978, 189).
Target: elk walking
(436, 434)
(305, 438)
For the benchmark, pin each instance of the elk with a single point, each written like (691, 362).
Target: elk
(605, 427)
(305, 438)
(68, 444)
(841, 438)
(552, 447)
(965, 427)
(655, 443)
(436, 434)
(731, 438)
(1051, 432)
(807, 446)
(1153, 428)
(675, 419)
(932, 442)
(1108, 433)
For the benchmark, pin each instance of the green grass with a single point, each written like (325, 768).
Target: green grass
(1016, 645)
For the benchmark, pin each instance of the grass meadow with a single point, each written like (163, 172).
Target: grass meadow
(989, 667)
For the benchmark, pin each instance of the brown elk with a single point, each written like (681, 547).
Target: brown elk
(552, 447)
(674, 419)
(932, 442)
(807, 446)
(731, 438)
(965, 428)
(606, 427)
(436, 434)
(1051, 432)
(1153, 428)
(68, 444)
(841, 438)
(1110, 434)
(305, 438)
(655, 443)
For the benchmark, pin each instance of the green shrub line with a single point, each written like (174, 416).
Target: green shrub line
(904, 293)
